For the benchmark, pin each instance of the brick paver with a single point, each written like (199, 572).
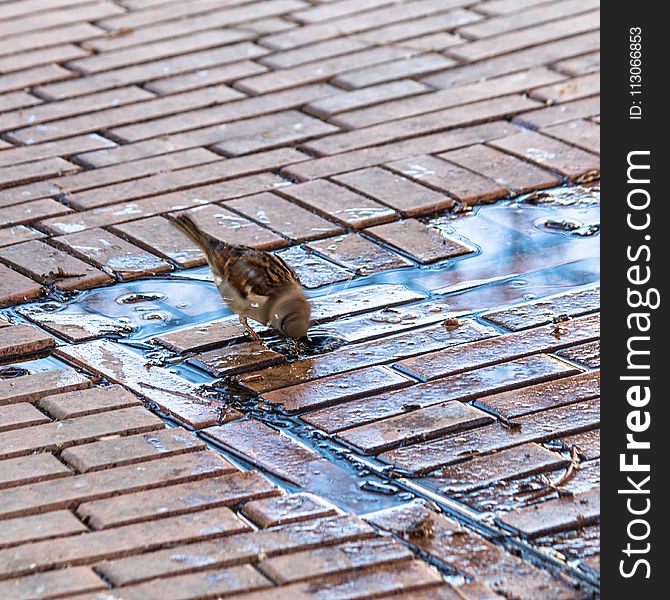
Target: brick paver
(364, 142)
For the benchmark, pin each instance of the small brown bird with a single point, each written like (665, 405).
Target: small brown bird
(253, 283)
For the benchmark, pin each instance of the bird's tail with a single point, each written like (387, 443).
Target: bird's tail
(216, 251)
(188, 226)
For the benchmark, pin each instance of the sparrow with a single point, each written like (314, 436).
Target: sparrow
(253, 283)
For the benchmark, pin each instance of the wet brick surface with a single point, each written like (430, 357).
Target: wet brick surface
(429, 169)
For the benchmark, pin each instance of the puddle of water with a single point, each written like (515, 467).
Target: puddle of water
(520, 258)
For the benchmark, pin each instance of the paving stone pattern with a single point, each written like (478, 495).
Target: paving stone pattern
(384, 150)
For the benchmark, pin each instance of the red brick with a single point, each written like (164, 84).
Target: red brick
(150, 70)
(466, 186)
(581, 133)
(572, 89)
(403, 30)
(19, 339)
(41, 169)
(281, 510)
(571, 162)
(203, 336)
(162, 183)
(365, 354)
(205, 77)
(283, 217)
(215, 19)
(66, 146)
(300, 129)
(87, 402)
(15, 235)
(555, 515)
(544, 310)
(527, 18)
(203, 125)
(31, 211)
(509, 42)
(321, 71)
(20, 416)
(135, 176)
(54, 54)
(584, 354)
(31, 469)
(407, 197)
(472, 556)
(115, 116)
(464, 387)
(536, 398)
(56, 584)
(73, 32)
(501, 348)
(148, 14)
(241, 579)
(338, 203)
(279, 455)
(359, 254)
(506, 170)
(172, 500)
(73, 324)
(32, 387)
(28, 78)
(580, 65)
(561, 113)
(518, 61)
(49, 265)
(513, 463)
(116, 451)
(160, 236)
(390, 321)
(117, 542)
(436, 42)
(361, 299)
(328, 11)
(163, 203)
(470, 114)
(320, 562)
(58, 435)
(397, 579)
(455, 448)
(228, 551)
(356, 23)
(358, 99)
(414, 426)
(232, 228)
(312, 53)
(125, 57)
(68, 492)
(336, 388)
(587, 443)
(170, 392)
(503, 7)
(313, 270)
(393, 70)
(69, 14)
(232, 360)
(112, 254)
(420, 241)
(23, 530)
(89, 179)
(368, 157)
(13, 100)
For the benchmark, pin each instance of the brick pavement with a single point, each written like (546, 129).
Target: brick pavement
(444, 418)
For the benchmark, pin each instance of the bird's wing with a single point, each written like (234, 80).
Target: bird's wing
(251, 272)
